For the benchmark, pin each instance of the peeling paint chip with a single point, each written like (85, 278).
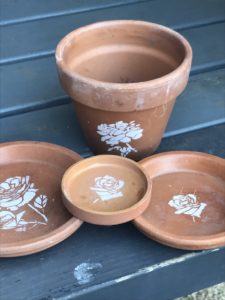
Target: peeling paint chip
(85, 272)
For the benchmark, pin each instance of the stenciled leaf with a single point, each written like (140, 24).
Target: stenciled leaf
(19, 216)
(41, 201)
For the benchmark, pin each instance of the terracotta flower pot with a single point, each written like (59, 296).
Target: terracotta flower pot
(123, 77)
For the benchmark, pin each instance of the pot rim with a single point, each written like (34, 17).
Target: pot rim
(123, 86)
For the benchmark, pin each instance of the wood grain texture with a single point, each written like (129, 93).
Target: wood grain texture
(39, 38)
(19, 11)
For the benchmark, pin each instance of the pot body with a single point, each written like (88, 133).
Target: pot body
(134, 134)
(124, 78)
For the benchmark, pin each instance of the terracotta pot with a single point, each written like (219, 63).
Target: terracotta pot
(124, 77)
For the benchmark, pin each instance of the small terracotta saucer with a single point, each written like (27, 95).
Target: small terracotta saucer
(187, 208)
(32, 215)
(106, 190)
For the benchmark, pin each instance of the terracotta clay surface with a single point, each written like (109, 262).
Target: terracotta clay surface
(106, 190)
(32, 215)
(187, 208)
(123, 77)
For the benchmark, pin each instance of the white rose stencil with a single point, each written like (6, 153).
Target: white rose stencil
(120, 133)
(107, 187)
(188, 205)
(16, 193)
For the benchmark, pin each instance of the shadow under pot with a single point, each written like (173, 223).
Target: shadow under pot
(123, 77)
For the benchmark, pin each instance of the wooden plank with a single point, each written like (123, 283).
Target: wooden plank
(205, 54)
(210, 140)
(39, 38)
(35, 83)
(121, 251)
(201, 105)
(158, 282)
(23, 11)
(57, 124)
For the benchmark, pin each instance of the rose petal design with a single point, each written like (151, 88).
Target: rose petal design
(27, 179)
(172, 203)
(4, 185)
(12, 204)
(187, 204)
(8, 180)
(191, 198)
(178, 197)
(118, 131)
(121, 125)
(15, 181)
(114, 140)
(125, 140)
(120, 184)
(199, 210)
(106, 137)
(20, 190)
(29, 195)
(104, 132)
(108, 177)
(186, 210)
(135, 134)
(178, 201)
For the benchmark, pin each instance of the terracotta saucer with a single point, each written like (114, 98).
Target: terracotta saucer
(32, 215)
(106, 190)
(187, 208)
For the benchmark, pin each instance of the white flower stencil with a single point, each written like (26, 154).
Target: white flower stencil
(15, 193)
(107, 187)
(120, 133)
(188, 205)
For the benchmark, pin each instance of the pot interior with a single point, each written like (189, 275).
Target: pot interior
(121, 52)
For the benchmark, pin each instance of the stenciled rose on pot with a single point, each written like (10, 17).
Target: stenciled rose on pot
(120, 133)
(188, 205)
(107, 187)
(17, 193)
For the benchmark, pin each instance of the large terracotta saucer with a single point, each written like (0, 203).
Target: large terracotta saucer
(187, 207)
(32, 215)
